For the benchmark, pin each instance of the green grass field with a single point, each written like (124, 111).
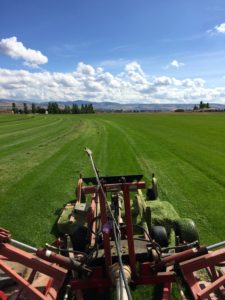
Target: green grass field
(41, 158)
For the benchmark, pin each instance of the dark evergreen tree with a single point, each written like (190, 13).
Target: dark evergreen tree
(40, 110)
(14, 109)
(82, 109)
(33, 108)
(25, 109)
(90, 109)
(75, 109)
(203, 105)
(53, 108)
(67, 109)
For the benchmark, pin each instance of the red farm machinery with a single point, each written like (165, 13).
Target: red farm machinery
(110, 244)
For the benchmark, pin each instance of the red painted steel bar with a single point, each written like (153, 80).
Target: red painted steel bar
(94, 207)
(207, 261)
(3, 296)
(167, 287)
(33, 262)
(212, 287)
(129, 229)
(55, 272)
(104, 220)
(32, 291)
(132, 186)
(213, 258)
(179, 257)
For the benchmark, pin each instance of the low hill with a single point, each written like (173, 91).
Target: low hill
(6, 105)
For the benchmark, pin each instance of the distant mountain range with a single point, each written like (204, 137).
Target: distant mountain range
(6, 104)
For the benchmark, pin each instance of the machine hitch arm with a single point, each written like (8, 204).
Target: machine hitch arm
(48, 255)
(184, 256)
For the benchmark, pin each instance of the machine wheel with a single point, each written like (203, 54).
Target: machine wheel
(186, 230)
(159, 234)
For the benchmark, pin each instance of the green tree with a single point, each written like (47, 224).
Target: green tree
(53, 108)
(14, 108)
(25, 109)
(75, 109)
(203, 105)
(67, 109)
(33, 108)
(90, 109)
(40, 110)
(82, 109)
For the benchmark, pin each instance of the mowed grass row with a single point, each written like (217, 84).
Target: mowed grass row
(41, 158)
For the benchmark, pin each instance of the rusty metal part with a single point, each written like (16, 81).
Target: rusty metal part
(179, 257)
(128, 219)
(56, 275)
(63, 261)
(209, 262)
(5, 235)
(106, 237)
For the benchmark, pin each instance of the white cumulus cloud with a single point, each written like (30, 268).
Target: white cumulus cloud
(217, 30)
(220, 28)
(135, 73)
(88, 82)
(176, 64)
(16, 50)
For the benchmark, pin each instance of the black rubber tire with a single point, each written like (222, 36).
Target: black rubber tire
(159, 234)
(150, 194)
(186, 230)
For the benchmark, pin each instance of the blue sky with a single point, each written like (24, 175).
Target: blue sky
(132, 51)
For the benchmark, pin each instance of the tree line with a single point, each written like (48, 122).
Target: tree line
(201, 105)
(53, 108)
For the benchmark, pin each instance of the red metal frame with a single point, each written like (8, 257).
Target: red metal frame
(99, 279)
(189, 260)
(55, 273)
(104, 220)
(125, 187)
(129, 229)
(3, 296)
(208, 262)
